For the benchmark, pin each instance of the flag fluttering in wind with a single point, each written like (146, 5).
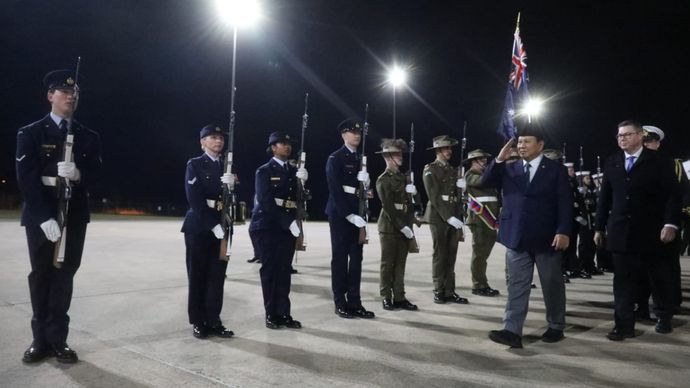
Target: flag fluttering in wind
(517, 93)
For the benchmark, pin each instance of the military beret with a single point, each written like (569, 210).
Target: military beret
(210, 130)
(349, 125)
(63, 79)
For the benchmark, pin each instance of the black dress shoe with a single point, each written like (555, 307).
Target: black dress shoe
(387, 304)
(64, 354)
(506, 337)
(663, 326)
(552, 335)
(584, 275)
(406, 305)
(455, 298)
(199, 331)
(220, 331)
(533, 285)
(486, 291)
(254, 260)
(293, 271)
(287, 321)
(566, 279)
(439, 298)
(272, 322)
(342, 312)
(361, 312)
(35, 353)
(596, 272)
(618, 334)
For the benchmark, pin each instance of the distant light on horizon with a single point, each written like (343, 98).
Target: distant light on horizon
(239, 13)
(397, 76)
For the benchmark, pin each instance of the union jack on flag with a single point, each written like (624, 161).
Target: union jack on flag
(517, 91)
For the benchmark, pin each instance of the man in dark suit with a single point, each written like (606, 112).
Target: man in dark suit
(275, 228)
(41, 170)
(535, 223)
(638, 212)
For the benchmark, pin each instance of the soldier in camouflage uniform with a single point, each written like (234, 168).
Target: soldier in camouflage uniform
(482, 225)
(395, 225)
(444, 213)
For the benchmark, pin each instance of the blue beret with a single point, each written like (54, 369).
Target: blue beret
(210, 130)
(63, 79)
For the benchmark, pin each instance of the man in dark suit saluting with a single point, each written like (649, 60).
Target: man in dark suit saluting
(535, 223)
(638, 211)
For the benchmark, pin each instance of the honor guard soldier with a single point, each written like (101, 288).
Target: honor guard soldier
(444, 213)
(588, 209)
(344, 222)
(203, 234)
(572, 263)
(275, 230)
(394, 224)
(41, 171)
(482, 209)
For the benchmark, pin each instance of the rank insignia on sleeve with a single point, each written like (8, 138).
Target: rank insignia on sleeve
(191, 182)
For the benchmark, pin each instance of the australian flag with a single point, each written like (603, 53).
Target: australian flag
(517, 92)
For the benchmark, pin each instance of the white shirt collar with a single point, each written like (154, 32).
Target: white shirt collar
(57, 119)
(351, 150)
(282, 164)
(636, 154)
(534, 163)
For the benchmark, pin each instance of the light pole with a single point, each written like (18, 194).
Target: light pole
(396, 77)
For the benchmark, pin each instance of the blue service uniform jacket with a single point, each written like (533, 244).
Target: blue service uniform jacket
(203, 187)
(532, 214)
(40, 146)
(634, 206)
(274, 181)
(341, 170)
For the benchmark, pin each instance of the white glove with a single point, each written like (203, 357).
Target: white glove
(302, 174)
(410, 189)
(454, 222)
(582, 190)
(218, 231)
(363, 176)
(581, 220)
(294, 229)
(68, 170)
(461, 184)
(51, 230)
(228, 179)
(407, 232)
(356, 220)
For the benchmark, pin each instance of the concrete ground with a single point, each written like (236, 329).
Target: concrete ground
(129, 324)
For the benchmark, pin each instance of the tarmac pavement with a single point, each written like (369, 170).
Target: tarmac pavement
(129, 324)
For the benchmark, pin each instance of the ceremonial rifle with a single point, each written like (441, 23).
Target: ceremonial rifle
(63, 185)
(461, 174)
(228, 212)
(563, 155)
(363, 186)
(412, 246)
(302, 193)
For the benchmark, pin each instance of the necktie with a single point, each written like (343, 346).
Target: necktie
(63, 125)
(629, 164)
(527, 177)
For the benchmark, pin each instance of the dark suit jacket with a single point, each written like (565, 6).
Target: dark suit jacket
(40, 146)
(532, 214)
(634, 206)
(341, 170)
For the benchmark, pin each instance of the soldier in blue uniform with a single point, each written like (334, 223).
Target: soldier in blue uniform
(203, 234)
(342, 210)
(274, 228)
(39, 166)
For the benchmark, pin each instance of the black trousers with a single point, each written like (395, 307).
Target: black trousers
(51, 288)
(670, 255)
(206, 276)
(346, 263)
(252, 237)
(275, 248)
(586, 249)
(628, 268)
(571, 261)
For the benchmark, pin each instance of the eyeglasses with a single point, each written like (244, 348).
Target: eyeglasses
(625, 135)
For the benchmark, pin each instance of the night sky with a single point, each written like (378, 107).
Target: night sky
(155, 72)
